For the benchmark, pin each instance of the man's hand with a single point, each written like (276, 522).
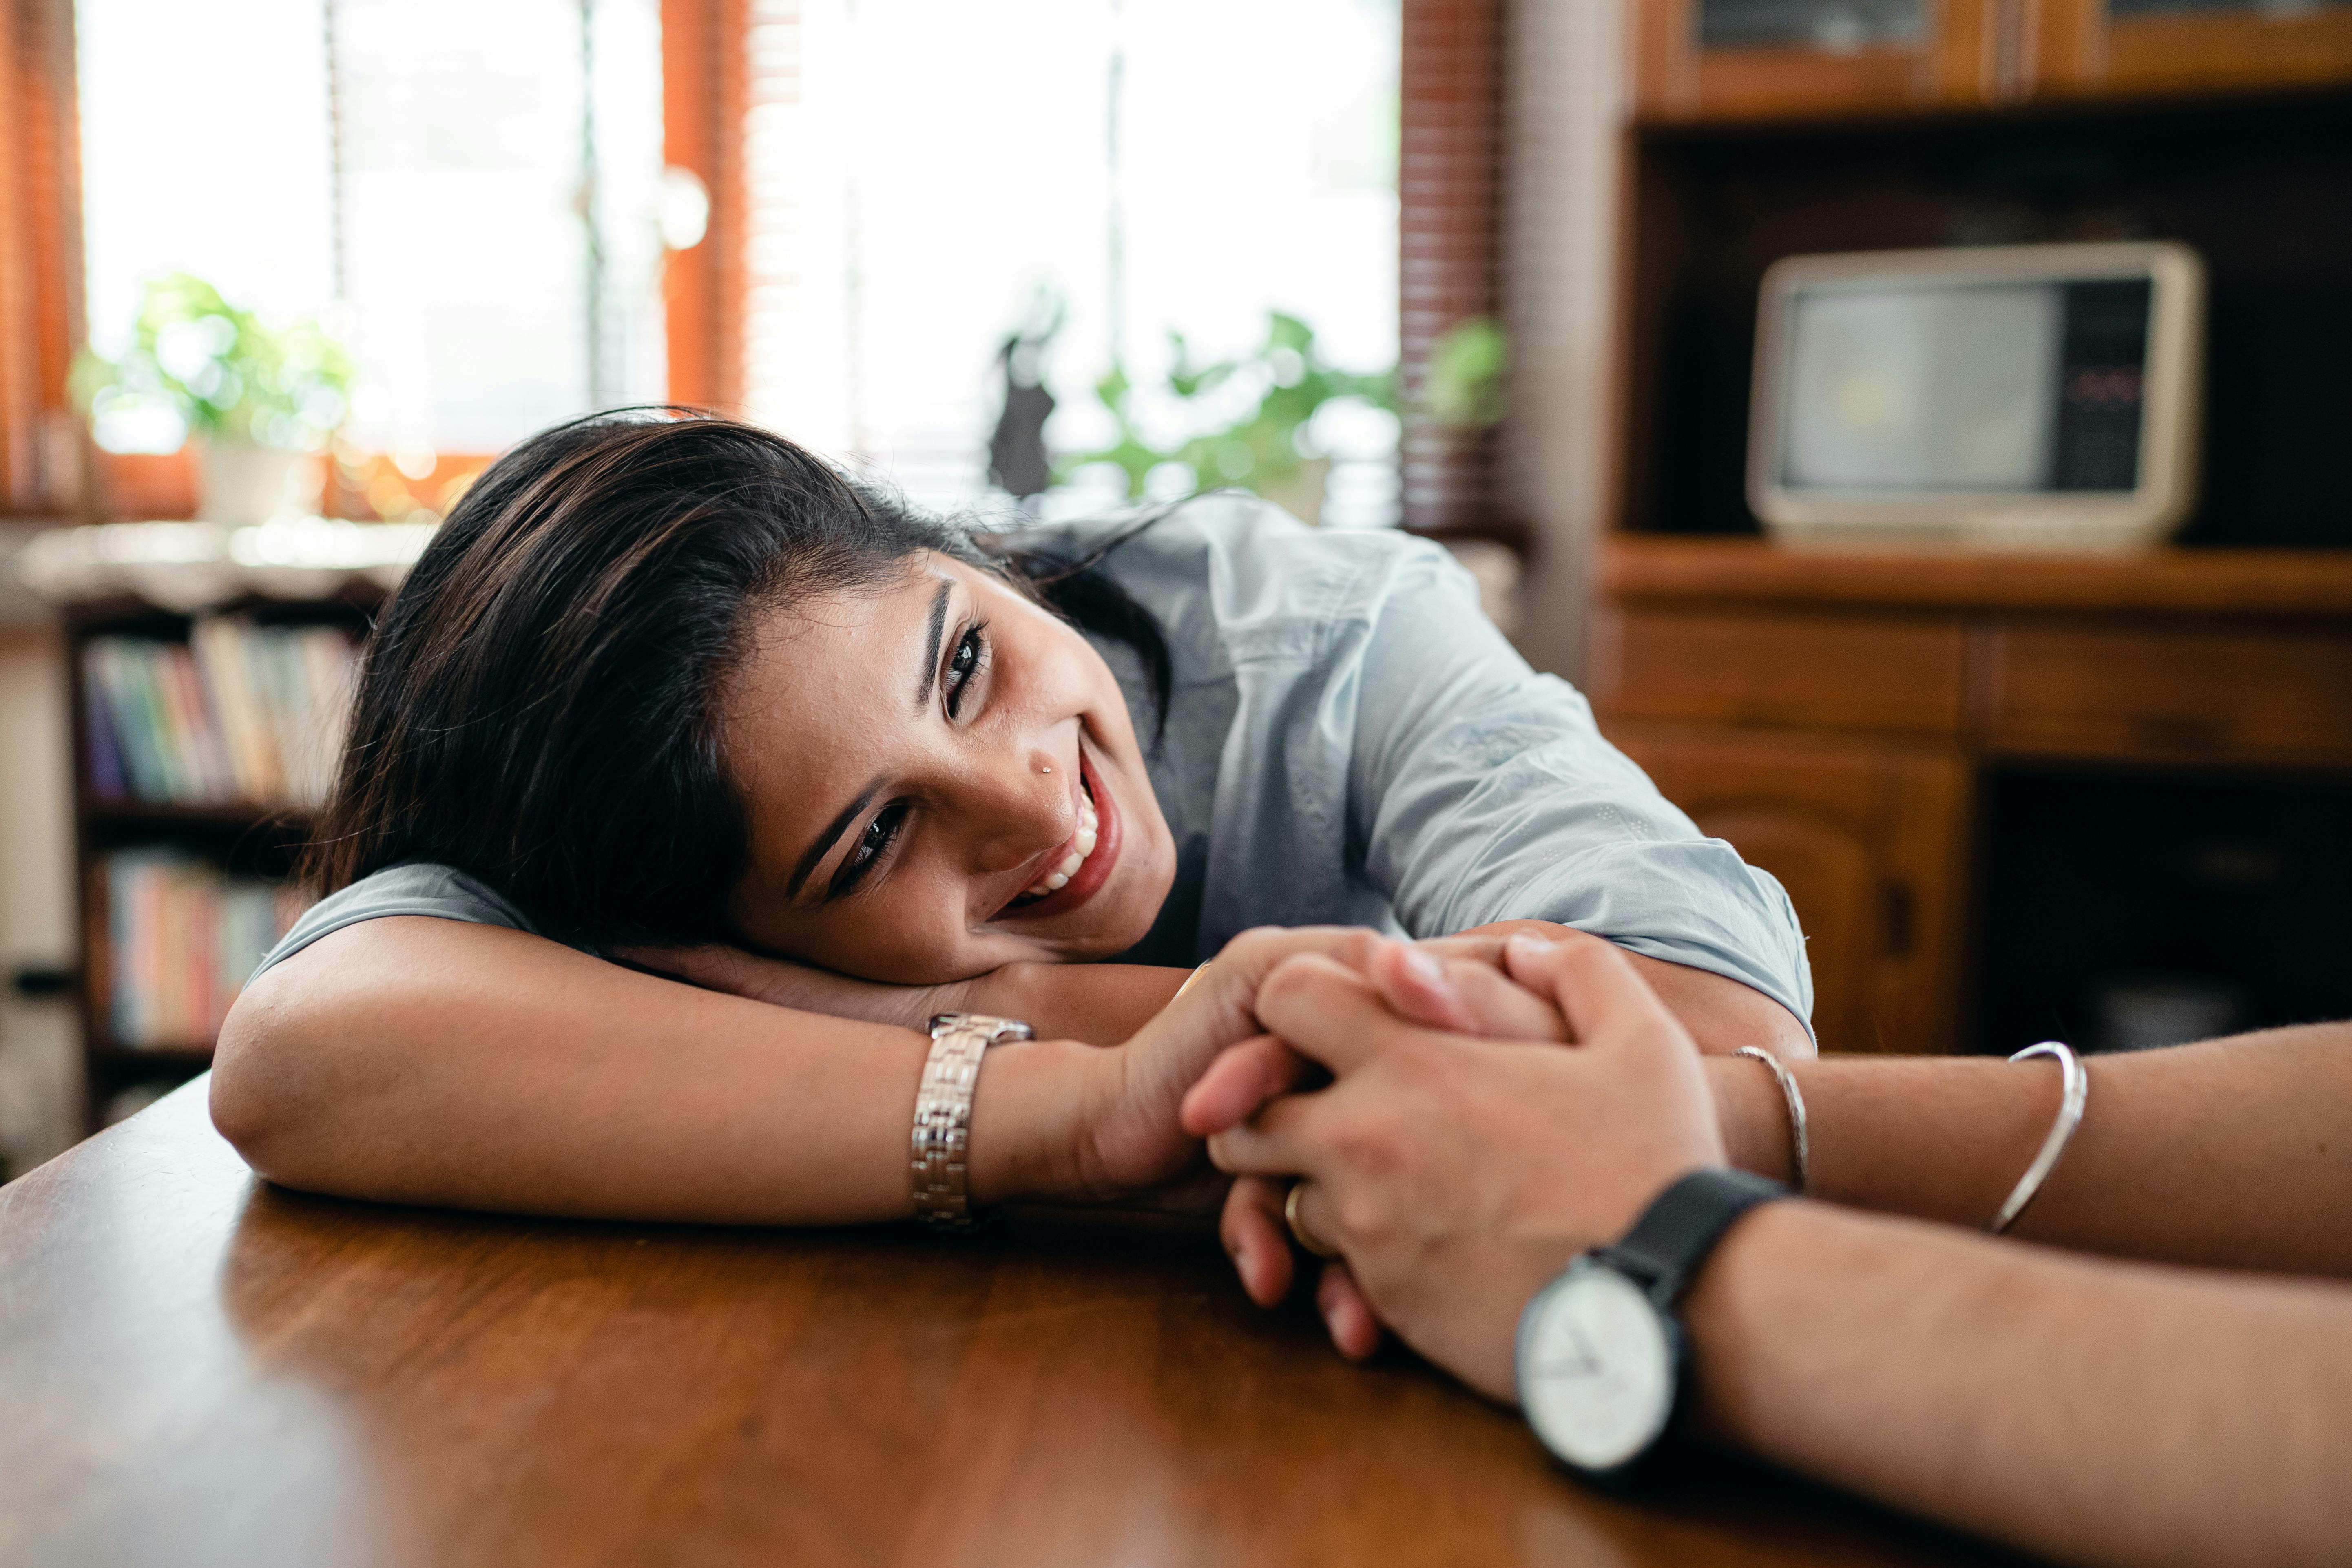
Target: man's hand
(1456, 1176)
(1454, 983)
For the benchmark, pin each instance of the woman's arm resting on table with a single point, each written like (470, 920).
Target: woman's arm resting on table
(2094, 1412)
(431, 1061)
(1101, 1003)
(2231, 1153)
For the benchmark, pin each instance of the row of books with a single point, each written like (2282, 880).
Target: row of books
(186, 936)
(239, 712)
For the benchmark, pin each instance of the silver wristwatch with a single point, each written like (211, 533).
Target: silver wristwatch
(942, 1139)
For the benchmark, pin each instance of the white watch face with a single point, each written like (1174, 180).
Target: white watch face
(1596, 1370)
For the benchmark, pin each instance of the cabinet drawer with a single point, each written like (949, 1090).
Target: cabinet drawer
(1869, 838)
(1898, 673)
(2166, 695)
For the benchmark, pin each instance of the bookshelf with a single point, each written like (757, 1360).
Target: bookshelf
(183, 881)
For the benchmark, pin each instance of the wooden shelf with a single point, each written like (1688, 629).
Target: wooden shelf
(182, 1058)
(2296, 583)
(167, 813)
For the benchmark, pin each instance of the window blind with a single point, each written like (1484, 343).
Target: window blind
(1449, 229)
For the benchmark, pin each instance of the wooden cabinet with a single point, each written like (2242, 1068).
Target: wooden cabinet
(2150, 47)
(1768, 59)
(1867, 837)
(1874, 727)
(1742, 59)
(1839, 671)
(1836, 717)
(2280, 696)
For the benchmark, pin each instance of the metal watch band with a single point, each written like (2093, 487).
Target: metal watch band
(1681, 1227)
(942, 1135)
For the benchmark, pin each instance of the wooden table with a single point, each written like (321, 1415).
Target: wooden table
(196, 1368)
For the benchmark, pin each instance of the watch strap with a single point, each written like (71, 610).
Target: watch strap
(942, 1144)
(1675, 1235)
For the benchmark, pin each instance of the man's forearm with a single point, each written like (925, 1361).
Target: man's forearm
(2162, 1167)
(2094, 1412)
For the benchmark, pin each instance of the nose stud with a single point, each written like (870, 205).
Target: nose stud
(1045, 767)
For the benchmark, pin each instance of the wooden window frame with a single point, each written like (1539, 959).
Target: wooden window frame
(704, 75)
(41, 471)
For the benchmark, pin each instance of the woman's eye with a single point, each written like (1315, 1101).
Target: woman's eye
(970, 653)
(871, 844)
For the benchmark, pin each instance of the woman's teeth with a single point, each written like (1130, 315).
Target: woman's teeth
(1080, 847)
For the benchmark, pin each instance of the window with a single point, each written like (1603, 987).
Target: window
(468, 190)
(472, 190)
(924, 179)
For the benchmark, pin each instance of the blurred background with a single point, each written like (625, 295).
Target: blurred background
(279, 278)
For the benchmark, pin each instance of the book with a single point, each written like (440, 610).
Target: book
(184, 936)
(239, 713)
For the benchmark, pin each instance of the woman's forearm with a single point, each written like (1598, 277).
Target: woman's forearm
(428, 1061)
(2163, 1166)
(1101, 1003)
(2094, 1412)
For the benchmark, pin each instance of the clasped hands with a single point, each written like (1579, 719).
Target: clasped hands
(1467, 1113)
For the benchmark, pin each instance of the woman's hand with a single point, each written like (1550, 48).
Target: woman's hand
(1129, 1138)
(781, 983)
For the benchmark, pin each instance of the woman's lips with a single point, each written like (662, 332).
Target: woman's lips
(1097, 867)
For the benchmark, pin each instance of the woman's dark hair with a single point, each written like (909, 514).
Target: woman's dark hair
(537, 705)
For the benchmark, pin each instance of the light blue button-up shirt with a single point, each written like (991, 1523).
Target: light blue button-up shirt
(1349, 741)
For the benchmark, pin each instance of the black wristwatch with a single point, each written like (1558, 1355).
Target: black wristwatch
(1601, 1350)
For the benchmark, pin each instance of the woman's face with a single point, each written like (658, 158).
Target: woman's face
(941, 777)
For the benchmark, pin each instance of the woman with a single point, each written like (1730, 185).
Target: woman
(665, 686)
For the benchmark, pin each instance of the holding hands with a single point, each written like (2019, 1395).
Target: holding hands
(1437, 1161)
(1407, 1101)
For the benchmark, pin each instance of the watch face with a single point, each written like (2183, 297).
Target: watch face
(1596, 1368)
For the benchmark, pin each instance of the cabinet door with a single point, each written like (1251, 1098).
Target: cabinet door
(1870, 840)
(2143, 47)
(1751, 59)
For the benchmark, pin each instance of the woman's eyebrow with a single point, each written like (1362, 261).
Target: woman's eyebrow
(833, 831)
(931, 647)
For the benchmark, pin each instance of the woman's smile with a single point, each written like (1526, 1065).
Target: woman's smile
(1083, 863)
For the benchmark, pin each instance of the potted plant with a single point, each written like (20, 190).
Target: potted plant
(259, 402)
(1252, 417)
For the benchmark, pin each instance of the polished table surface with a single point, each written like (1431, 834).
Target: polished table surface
(198, 1368)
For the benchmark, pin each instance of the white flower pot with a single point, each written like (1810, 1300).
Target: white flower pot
(240, 483)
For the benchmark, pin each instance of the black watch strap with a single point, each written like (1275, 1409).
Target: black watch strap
(1681, 1227)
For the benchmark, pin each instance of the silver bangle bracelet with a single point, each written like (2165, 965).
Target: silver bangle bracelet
(2075, 1088)
(1799, 1160)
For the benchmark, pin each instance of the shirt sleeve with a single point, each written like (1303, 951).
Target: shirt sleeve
(443, 892)
(1484, 791)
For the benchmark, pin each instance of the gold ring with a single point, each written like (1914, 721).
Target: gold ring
(1298, 1231)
